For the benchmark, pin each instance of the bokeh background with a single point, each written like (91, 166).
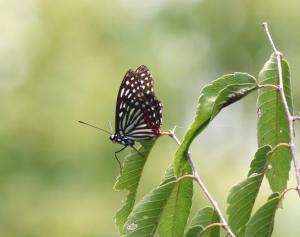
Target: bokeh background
(63, 61)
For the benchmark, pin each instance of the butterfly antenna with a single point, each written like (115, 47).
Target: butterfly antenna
(103, 130)
(111, 129)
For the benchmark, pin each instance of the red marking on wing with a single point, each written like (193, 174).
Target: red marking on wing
(150, 123)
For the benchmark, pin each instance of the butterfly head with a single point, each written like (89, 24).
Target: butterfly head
(117, 138)
(112, 138)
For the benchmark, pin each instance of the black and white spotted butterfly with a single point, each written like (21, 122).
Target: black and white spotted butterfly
(138, 112)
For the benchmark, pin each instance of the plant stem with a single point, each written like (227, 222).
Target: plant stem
(296, 117)
(290, 117)
(279, 145)
(270, 86)
(188, 176)
(203, 187)
(209, 227)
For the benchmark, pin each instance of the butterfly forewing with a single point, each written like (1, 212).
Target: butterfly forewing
(127, 92)
(138, 111)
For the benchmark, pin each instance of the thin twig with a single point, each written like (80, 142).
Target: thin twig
(290, 117)
(188, 176)
(279, 145)
(203, 187)
(296, 117)
(211, 226)
(287, 190)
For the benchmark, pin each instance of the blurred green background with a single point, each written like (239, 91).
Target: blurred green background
(63, 61)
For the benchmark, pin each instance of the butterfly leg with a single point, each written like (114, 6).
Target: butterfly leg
(119, 162)
(138, 151)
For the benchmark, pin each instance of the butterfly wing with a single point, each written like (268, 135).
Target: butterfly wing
(138, 111)
(125, 94)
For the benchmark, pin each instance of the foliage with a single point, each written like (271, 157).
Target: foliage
(262, 222)
(272, 124)
(242, 196)
(167, 207)
(129, 180)
(217, 95)
(63, 62)
(202, 219)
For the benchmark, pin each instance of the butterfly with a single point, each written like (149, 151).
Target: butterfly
(138, 111)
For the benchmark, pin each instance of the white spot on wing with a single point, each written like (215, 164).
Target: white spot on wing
(122, 92)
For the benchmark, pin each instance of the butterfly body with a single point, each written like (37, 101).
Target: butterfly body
(116, 138)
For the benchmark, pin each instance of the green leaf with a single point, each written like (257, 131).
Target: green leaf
(262, 222)
(213, 98)
(144, 218)
(272, 124)
(202, 219)
(261, 160)
(168, 206)
(129, 180)
(177, 208)
(243, 195)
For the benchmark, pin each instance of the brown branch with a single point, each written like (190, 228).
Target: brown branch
(203, 187)
(290, 117)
